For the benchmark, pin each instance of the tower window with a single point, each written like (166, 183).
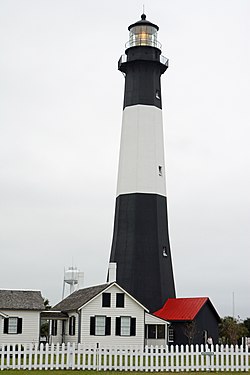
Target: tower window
(160, 170)
(164, 251)
(157, 94)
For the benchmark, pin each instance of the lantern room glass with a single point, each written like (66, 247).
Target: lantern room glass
(143, 35)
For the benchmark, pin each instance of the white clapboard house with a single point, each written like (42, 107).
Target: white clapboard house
(20, 316)
(106, 315)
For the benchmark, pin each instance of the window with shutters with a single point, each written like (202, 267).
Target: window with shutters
(100, 325)
(125, 326)
(13, 325)
(72, 325)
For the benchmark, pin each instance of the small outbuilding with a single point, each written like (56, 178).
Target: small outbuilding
(20, 316)
(192, 320)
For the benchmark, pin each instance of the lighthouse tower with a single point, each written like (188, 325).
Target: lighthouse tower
(140, 245)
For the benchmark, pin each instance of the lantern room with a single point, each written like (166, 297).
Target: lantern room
(143, 33)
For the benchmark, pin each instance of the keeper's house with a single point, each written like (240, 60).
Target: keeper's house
(105, 314)
(20, 316)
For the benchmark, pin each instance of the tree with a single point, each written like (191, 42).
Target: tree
(190, 331)
(44, 329)
(246, 323)
(46, 304)
(231, 330)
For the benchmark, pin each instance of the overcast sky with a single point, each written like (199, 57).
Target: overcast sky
(60, 121)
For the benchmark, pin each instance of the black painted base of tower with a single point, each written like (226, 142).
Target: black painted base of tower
(141, 248)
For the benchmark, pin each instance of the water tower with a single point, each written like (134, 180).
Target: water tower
(74, 278)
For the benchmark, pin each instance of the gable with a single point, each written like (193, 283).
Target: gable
(152, 319)
(80, 298)
(116, 288)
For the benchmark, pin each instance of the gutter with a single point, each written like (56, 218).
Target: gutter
(3, 315)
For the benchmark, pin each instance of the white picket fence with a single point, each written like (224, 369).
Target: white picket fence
(164, 358)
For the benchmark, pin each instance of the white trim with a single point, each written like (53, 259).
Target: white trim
(152, 319)
(3, 315)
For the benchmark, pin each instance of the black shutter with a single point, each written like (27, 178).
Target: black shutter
(70, 326)
(6, 325)
(118, 326)
(108, 326)
(19, 325)
(133, 327)
(54, 328)
(73, 325)
(92, 325)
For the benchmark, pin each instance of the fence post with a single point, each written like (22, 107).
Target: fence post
(70, 353)
(97, 356)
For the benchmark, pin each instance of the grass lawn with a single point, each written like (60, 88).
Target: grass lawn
(86, 372)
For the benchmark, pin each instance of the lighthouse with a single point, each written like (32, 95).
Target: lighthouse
(140, 246)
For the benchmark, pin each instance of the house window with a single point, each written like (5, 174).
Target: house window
(106, 298)
(161, 331)
(54, 327)
(155, 331)
(100, 325)
(120, 299)
(12, 325)
(170, 335)
(72, 325)
(125, 326)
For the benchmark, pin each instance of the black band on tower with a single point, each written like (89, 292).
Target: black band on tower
(141, 248)
(143, 71)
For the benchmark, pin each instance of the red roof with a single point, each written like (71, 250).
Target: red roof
(181, 308)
